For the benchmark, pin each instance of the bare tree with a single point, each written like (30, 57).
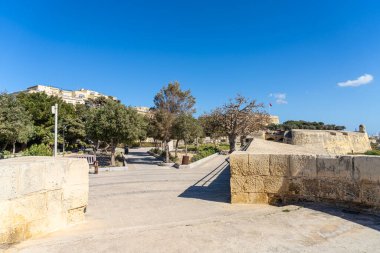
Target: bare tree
(239, 117)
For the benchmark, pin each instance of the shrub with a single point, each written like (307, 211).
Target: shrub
(204, 152)
(4, 154)
(39, 150)
(372, 152)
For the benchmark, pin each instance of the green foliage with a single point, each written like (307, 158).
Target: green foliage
(301, 124)
(204, 152)
(373, 152)
(169, 103)
(15, 121)
(113, 123)
(71, 118)
(4, 154)
(186, 128)
(39, 150)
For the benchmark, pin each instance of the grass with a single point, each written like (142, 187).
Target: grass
(373, 152)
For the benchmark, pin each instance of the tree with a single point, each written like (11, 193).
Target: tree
(113, 123)
(70, 118)
(301, 124)
(211, 126)
(170, 102)
(186, 128)
(15, 122)
(240, 116)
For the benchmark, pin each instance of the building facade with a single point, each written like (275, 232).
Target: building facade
(68, 96)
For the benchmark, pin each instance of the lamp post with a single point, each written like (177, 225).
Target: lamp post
(54, 110)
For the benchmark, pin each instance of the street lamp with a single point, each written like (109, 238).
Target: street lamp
(54, 110)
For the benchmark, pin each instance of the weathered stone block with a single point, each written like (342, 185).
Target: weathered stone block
(9, 182)
(258, 198)
(276, 184)
(335, 167)
(370, 194)
(258, 164)
(303, 166)
(239, 163)
(310, 187)
(54, 201)
(75, 172)
(241, 197)
(28, 208)
(279, 165)
(75, 215)
(32, 177)
(40, 195)
(75, 196)
(368, 168)
(54, 174)
(237, 183)
(254, 184)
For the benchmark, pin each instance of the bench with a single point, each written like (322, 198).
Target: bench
(91, 160)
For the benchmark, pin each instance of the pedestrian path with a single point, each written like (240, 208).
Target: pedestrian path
(151, 208)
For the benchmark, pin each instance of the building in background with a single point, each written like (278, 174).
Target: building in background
(142, 109)
(68, 96)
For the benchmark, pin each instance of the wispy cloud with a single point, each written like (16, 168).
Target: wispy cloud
(361, 80)
(280, 98)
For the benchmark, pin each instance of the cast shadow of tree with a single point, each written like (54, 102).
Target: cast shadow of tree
(215, 186)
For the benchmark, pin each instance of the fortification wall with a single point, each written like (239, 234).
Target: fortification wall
(40, 194)
(269, 178)
(334, 142)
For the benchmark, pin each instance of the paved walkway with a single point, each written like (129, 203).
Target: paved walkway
(160, 209)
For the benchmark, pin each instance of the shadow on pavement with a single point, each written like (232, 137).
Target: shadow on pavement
(364, 219)
(215, 186)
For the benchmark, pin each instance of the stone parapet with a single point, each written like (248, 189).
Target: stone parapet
(270, 178)
(41, 194)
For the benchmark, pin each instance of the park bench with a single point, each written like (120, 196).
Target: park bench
(91, 160)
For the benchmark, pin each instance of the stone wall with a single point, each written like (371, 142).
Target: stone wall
(269, 178)
(40, 194)
(334, 142)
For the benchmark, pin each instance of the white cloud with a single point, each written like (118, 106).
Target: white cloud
(361, 80)
(280, 98)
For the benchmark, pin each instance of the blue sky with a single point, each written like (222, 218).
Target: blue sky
(292, 52)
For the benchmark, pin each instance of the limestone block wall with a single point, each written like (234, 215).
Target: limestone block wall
(40, 195)
(269, 178)
(334, 142)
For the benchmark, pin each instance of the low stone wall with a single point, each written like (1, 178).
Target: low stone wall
(40, 194)
(269, 178)
(334, 142)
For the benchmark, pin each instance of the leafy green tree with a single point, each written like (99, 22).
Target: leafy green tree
(15, 122)
(113, 123)
(211, 126)
(186, 128)
(170, 102)
(70, 118)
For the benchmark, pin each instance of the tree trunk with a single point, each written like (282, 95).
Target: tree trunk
(176, 148)
(186, 147)
(232, 141)
(167, 160)
(14, 148)
(113, 149)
